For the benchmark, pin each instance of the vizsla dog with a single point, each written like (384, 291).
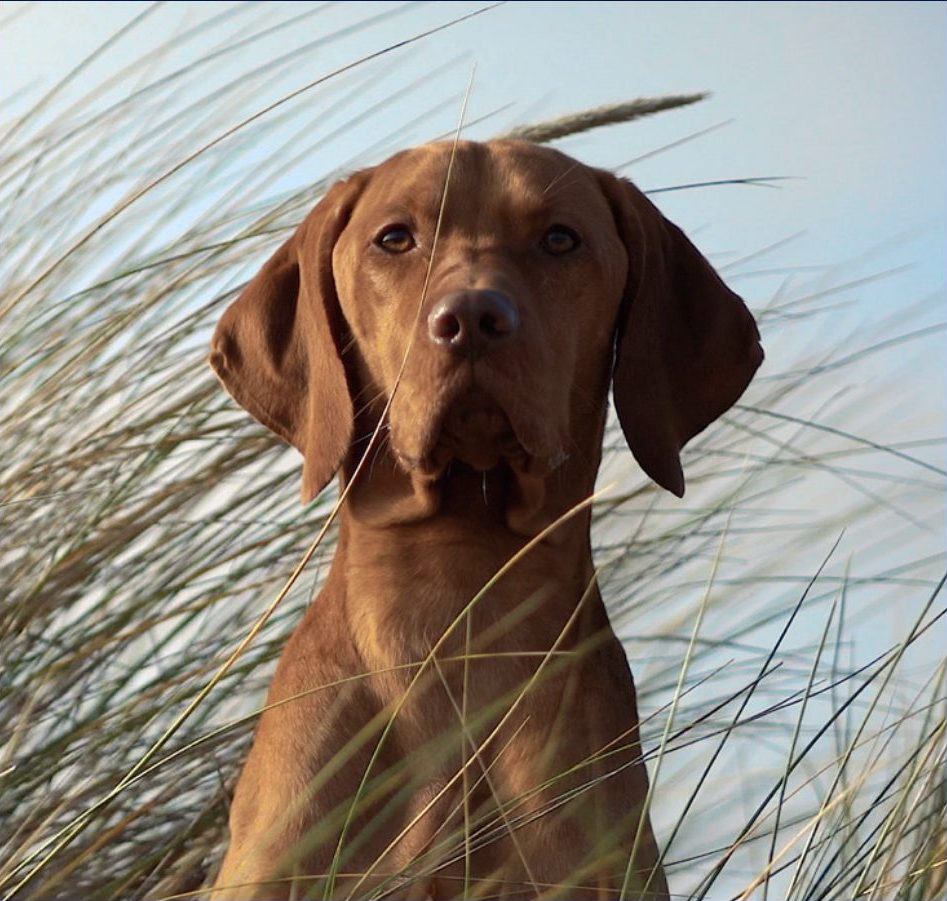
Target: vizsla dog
(454, 717)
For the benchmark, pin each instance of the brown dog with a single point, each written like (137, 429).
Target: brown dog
(445, 723)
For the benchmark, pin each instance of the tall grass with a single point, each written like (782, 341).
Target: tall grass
(145, 522)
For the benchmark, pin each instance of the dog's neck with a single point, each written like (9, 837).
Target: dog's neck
(407, 582)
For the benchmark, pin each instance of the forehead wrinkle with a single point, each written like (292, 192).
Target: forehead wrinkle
(477, 198)
(418, 183)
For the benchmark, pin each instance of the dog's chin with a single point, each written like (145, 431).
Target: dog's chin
(475, 438)
(476, 431)
(472, 429)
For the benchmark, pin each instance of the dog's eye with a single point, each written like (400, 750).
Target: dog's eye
(559, 240)
(395, 239)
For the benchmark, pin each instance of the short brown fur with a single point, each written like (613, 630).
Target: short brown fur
(512, 767)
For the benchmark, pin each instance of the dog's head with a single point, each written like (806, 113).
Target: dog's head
(488, 293)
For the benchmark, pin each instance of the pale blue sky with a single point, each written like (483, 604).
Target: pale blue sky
(849, 98)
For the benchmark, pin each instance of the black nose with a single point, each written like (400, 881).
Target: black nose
(472, 322)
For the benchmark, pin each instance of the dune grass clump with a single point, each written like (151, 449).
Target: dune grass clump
(782, 621)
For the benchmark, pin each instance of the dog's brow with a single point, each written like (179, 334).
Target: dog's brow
(554, 182)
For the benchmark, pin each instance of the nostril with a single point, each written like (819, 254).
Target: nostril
(499, 319)
(489, 326)
(494, 326)
(444, 326)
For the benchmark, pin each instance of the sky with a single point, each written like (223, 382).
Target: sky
(848, 100)
(845, 103)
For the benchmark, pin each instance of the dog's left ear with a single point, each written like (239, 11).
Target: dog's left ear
(686, 346)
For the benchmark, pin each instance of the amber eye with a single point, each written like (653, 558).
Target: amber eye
(559, 240)
(395, 239)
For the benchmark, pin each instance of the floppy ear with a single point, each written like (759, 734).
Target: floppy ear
(686, 346)
(277, 348)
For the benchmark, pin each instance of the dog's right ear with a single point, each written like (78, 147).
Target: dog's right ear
(277, 348)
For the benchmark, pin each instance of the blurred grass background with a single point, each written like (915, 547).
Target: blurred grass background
(145, 521)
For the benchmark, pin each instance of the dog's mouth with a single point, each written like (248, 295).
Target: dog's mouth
(473, 433)
(475, 429)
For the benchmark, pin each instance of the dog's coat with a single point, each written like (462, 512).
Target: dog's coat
(415, 744)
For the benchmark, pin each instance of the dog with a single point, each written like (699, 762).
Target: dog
(454, 716)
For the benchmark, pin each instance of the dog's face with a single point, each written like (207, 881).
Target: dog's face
(504, 326)
(490, 293)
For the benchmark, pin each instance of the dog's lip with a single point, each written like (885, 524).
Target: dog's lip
(474, 426)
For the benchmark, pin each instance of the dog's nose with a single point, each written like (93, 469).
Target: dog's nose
(473, 321)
